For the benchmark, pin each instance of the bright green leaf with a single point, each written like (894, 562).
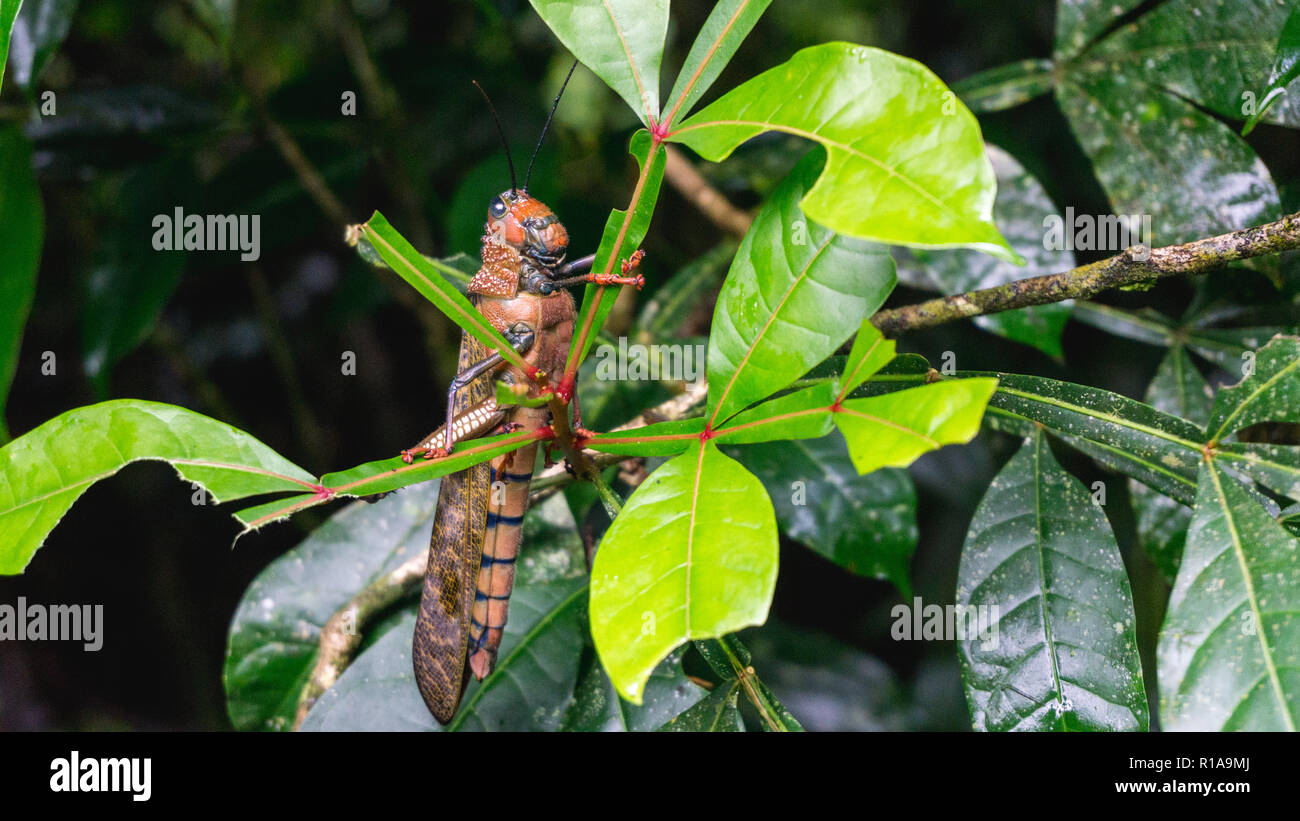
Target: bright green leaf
(692, 555)
(725, 29)
(621, 41)
(906, 160)
(870, 352)
(422, 274)
(1060, 649)
(45, 470)
(893, 429)
(8, 13)
(804, 414)
(623, 232)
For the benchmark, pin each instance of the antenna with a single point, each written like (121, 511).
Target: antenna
(529, 173)
(502, 132)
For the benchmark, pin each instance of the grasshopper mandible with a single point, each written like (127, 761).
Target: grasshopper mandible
(476, 530)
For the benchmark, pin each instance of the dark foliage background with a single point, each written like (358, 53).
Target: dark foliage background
(151, 115)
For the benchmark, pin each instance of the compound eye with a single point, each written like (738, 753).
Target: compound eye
(497, 208)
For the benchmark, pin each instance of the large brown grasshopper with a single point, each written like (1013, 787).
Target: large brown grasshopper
(476, 531)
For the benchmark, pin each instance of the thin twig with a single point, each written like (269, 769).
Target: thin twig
(1131, 267)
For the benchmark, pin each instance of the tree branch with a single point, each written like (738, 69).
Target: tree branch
(1085, 281)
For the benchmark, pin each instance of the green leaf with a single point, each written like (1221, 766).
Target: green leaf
(1157, 154)
(1207, 53)
(597, 708)
(804, 414)
(893, 429)
(37, 34)
(906, 161)
(132, 279)
(623, 232)
(870, 352)
(715, 713)
(8, 13)
(275, 633)
(796, 292)
(1023, 210)
(725, 29)
(865, 524)
(658, 439)
(1286, 67)
(1158, 450)
(1224, 347)
(1270, 393)
(22, 231)
(1006, 86)
(692, 555)
(1078, 22)
(1229, 648)
(45, 470)
(1061, 653)
(421, 273)
(621, 41)
(1178, 389)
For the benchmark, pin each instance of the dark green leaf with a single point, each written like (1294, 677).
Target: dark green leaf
(1006, 86)
(1157, 154)
(1286, 67)
(597, 708)
(1229, 654)
(1179, 390)
(22, 231)
(715, 713)
(1269, 393)
(139, 266)
(1078, 22)
(1060, 652)
(275, 633)
(1207, 53)
(865, 524)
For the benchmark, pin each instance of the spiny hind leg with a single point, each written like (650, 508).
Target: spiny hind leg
(476, 421)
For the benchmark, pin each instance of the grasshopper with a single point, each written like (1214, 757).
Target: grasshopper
(520, 290)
